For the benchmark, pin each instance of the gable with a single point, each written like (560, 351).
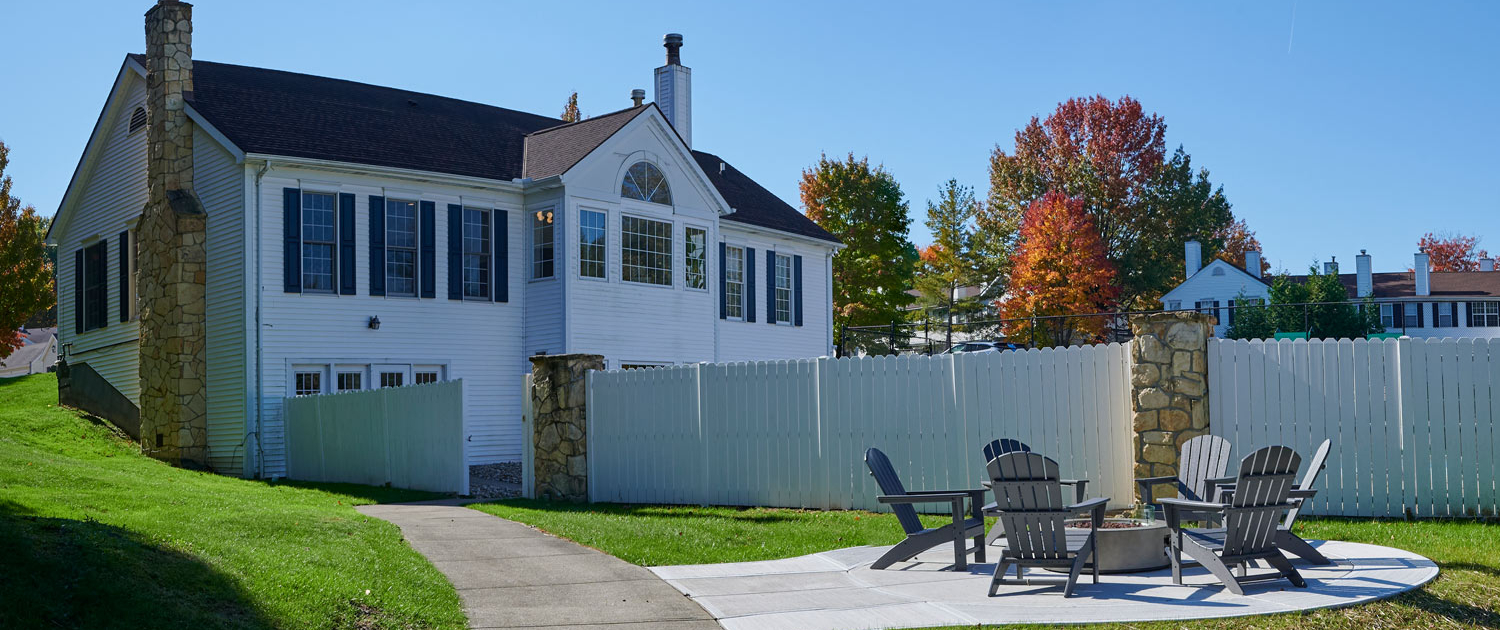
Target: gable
(1217, 279)
(645, 137)
(127, 93)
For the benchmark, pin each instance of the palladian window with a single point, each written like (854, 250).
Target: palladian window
(645, 182)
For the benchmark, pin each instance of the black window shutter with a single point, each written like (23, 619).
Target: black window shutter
(1436, 321)
(124, 274)
(1398, 315)
(770, 286)
(455, 251)
(750, 284)
(291, 234)
(1229, 314)
(377, 245)
(78, 292)
(723, 299)
(1420, 315)
(501, 250)
(346, 244)
(796, 290)
(429, 249)
(1468, 317)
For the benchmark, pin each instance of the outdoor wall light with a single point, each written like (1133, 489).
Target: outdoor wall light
(375, 323)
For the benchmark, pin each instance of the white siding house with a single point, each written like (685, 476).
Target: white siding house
(431, 239)
(1420, 303)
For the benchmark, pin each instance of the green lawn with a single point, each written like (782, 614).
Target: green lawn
(1465, 595)
(94, 535)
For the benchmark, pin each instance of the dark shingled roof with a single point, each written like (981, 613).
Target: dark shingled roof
(753, 204)
(555, 150)
(298, 115)
(1403, 284)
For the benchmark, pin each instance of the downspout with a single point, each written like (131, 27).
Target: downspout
(260, 459)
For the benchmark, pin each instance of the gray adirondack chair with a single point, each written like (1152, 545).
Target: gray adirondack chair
(1262, 493)
(1285, 539)
(1002, 446)
(1028, 491)
(1200, 467)
(919, 538)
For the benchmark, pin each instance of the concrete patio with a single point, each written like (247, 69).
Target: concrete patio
(836, 590)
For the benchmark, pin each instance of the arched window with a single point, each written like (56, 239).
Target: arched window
(645, 182)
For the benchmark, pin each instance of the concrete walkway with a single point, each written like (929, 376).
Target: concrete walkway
(512, 576)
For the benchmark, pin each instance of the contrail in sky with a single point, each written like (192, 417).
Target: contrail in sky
(1293, 31)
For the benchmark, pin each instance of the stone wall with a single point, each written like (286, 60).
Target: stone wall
(1169, 389)
(170, 253)
(559, 398)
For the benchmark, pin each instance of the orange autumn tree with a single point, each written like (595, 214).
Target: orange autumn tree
(1452, 252)
(1239, 238)
(1060, 269)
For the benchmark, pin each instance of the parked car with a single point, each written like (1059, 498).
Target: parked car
(965, 347)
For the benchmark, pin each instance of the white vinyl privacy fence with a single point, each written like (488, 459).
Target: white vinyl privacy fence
(1412, 420)
(410, 437)
(794, 433)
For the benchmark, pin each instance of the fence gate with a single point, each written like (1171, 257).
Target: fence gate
(793, 433)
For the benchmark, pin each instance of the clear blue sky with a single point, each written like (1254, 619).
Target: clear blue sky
(1332, 126)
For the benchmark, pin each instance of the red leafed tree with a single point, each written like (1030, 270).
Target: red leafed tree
(1060, 269)
(1452, 252)
(1238, 239)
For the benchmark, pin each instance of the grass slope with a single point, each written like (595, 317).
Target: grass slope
(94, 535)
(1465, 595)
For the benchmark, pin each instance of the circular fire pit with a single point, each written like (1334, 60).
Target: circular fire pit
(1126, 545)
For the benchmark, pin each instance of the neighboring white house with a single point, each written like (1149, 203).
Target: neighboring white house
(1421, 303)
(360, 236)
(36, 355)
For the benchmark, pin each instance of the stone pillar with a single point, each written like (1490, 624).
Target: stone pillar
(170, 253)
(1168, 388)
(559, 401)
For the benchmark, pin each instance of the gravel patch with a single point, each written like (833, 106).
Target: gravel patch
(495, 481)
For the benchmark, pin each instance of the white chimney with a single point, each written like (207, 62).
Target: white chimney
(1486, 264)
(637, 96)
(1331, 268)
(1252, 263)
(1193, 254)
(1419, 265)
(674, 89)
(1364, 283)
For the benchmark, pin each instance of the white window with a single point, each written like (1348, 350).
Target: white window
(697, 258)
(319, 251)
(308, 382)
(645, 251)
(1207, 307)
(541, 244)
(1484, 313)
(400, 248)
(351, 381)
(783, 289)
(1412, 311)
(643, 365)
(734, 282)
(476, 254)
(1174, 305)
(426, 374)
(646, 183)
(591, 242)
(392, 379)
(1445, 314)
(1387, 316)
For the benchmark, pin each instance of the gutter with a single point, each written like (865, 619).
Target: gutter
(259, 389)
(518, 185)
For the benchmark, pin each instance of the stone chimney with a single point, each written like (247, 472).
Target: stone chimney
(1193, 254)
(1486, 264)
(1364, 282)
(1331, 268)
(637, 96)
(170, 255)
(674, 89)
(1421, 271)
(1252, 263)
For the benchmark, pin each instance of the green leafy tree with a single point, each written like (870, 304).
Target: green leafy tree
(27, 286)
(863, 206)
(1318, 305)
(953, 261)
